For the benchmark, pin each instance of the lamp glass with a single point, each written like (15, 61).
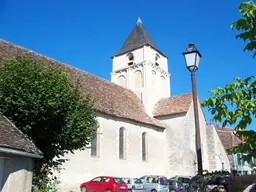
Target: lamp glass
(192, 60)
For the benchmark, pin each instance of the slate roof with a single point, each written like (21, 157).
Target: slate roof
(112, 99)
(226, 138)
(173, 105)
(11, 137)
(137, 38)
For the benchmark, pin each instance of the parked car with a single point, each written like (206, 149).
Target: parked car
(155, 183)
(134, 184)
(175, 186)
(183, 179)
(104, 184)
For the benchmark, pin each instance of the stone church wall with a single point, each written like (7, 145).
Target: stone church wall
(82, 167)
(179, 157)
(218, 158)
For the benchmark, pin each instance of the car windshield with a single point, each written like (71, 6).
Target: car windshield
(118, 180)
(184, 180)
(163, 181)
(137, 181)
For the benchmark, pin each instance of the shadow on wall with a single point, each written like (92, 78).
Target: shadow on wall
(16, 174)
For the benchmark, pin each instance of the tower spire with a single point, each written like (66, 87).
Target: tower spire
(137, 38)
(139, 19)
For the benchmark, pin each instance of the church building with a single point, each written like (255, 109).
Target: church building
(143, 129)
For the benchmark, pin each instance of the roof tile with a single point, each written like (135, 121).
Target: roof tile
(112, 99)
(173, 105)
(137, 38)
(226, 135)
(12, 137)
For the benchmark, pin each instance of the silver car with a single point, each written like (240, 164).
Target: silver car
(134, 184)
(183, 179)
(155, 183)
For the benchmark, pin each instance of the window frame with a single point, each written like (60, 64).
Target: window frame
(130, 59)
(93, 180)
(144, 142)
(157, 57)
(138, 76)
(96, 152)
(122, 148)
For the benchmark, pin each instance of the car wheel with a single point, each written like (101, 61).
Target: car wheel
(108, 190)
(83, 189)
(153, 190)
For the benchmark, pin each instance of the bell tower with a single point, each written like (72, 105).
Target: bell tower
(141, 67)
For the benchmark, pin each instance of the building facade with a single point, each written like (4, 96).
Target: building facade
(143, 129)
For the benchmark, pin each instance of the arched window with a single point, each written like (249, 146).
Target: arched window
(95, 144)
(144, 146)
(121, 81)
(138, 80)
(122, 143)
(130, 58)
(153, 83)
(157, 60)
(162, 82)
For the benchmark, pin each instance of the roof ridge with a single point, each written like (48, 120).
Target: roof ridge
(189, 93)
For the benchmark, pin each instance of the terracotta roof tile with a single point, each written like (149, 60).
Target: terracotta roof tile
(112, 99)
(12, 137)
(173, 105)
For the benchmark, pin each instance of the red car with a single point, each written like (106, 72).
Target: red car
(104, 184)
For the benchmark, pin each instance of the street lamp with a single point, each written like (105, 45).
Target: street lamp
(192, 59)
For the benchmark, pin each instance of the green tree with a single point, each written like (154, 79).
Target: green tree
(235, 104)
(44, 104)
(247, 24)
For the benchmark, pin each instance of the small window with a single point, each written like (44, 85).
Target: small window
(97, 179)
(157, 60)
(95, 144)
(121, 143)
(152, 179)
(143, 179)
(137, 181)
(105, 179)
(121, 81)
(138, 80)
(144, 147)
(130, 58)
(127, 180)
(163, 82)
(163, 181)
(119, 180)
(153, 83)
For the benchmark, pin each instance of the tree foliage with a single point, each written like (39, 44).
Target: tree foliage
(235, 104)
(45, 105)
(247, 24)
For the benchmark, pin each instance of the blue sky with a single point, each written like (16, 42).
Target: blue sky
(86, 34)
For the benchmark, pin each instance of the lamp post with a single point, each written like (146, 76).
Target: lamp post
(192, 58)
